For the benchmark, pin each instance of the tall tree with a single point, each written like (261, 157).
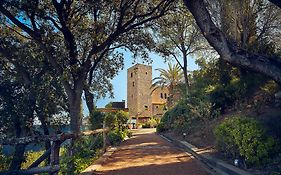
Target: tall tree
(178, 38)
(269, 65)
(27, 90)
(73, 34)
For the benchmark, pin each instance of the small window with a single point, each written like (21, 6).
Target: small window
(156, 106)
(165, 95)
(161, 95)
(133, 83)
(145, 107)
(146, 73)
(131, 74)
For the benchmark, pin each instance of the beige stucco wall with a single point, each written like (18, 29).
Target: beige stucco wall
(159, 99)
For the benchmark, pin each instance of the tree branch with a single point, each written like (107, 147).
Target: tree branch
(228, 51)
(18, 23)
(276, 2)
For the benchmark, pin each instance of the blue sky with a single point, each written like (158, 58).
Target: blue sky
(120, 81)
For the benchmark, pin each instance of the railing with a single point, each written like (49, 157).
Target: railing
(56, 142)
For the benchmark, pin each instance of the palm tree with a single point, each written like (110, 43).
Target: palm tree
(169, 78)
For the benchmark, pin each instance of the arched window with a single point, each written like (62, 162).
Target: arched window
(131, 74)
(161, 95)
(165, 95)
(133, 83)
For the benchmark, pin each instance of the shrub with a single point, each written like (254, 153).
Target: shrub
(83, 156)
(117, 120)
(152, 123)
(161, 127)
(182, 117)
(245, 137)
(96, 120)
(116, 137)
(122, 118)
(111, 120)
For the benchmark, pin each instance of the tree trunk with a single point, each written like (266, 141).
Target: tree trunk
(269, 66)
(18, 157)
(89, 100)
(186, 81)
(75, 111)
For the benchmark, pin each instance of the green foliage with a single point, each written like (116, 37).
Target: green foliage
(30, 157)
(4, 161)
(122, 118)
(96, 120)
(117, 121)
(85, 154)
(150, 123)
(246, 138)
(162, 127)
(116, 137)
(181, 117)
(111, 120)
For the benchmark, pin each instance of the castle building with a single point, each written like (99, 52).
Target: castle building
(142, 102)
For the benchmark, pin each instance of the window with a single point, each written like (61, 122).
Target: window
(165, 95)
(156, 106)
(133, 83)
(131, 74)
(161, 95)
(146, 73)
(145, 107)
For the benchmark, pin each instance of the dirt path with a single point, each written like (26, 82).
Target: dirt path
(146, 153)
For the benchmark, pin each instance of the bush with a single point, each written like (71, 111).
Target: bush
(240, 137)
(96, 120)
(117, 120)
(162, 127)
(150, 123)
(85, 154)
(182, 117)
(116, 137)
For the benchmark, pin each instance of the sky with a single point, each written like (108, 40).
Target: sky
(120, 81)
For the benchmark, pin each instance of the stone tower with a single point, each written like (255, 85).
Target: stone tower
(138, 91)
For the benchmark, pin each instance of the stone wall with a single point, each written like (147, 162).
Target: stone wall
(138, 90)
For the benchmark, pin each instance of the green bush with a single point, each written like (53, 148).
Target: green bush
(245, 137)
(84, 155)
(96, 120)
(182, 117)
(162, 127)
(116, 137)
(117, 120)
(122, 118)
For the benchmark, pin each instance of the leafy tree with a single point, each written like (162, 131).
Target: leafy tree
(178, 37)
(29, 90)
(230, 51)
(74, 35)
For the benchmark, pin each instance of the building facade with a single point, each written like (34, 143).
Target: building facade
(142, 102)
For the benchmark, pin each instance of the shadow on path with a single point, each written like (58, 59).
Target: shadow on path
(148, 154)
